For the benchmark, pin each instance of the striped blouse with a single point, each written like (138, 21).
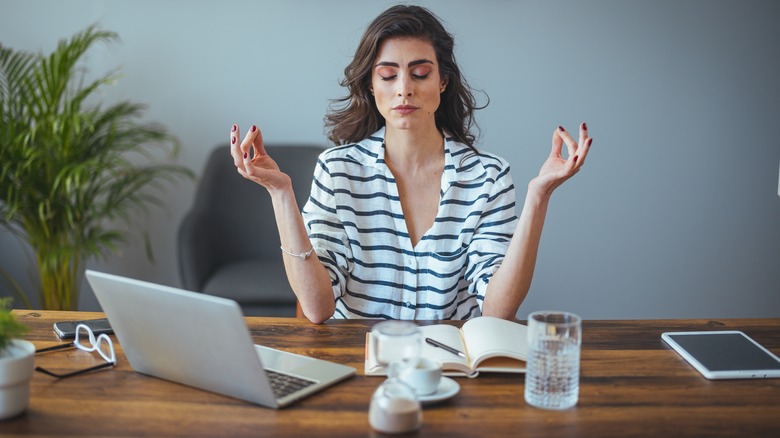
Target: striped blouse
(356, 225)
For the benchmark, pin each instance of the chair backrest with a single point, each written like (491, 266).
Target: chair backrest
(232, 218)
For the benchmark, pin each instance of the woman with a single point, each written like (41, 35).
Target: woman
(406, 219)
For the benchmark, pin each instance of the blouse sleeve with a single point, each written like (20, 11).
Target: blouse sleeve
(492, 235)
(325, 230)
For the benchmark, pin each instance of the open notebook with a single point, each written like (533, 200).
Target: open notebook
(489, 345)
(202, 341)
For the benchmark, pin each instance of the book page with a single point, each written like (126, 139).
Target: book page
(488, 337)
(448, 335)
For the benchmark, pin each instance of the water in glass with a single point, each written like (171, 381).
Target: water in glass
(552, 380)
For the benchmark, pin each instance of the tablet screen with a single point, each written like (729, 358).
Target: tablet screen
(731, 351)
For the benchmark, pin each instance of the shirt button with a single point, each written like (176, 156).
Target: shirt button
(408, 304)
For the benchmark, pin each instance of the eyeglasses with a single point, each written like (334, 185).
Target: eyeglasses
(102, 345)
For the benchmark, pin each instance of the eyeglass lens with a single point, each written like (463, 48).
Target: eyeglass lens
(86, 341)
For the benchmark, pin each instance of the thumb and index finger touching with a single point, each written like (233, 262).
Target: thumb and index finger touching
(248, 148)
(577, 151)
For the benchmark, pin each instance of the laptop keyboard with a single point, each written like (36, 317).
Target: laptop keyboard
(285, 384)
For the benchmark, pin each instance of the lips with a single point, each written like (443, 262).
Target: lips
(405, 109)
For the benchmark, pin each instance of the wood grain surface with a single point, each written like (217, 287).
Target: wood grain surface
(631, 384)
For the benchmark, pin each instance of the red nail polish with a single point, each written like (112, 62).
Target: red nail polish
(584, 126)
(234, 128)
(575, 158)
(560, 128)
(233, 141)
(245, 155)
(254, 128)
(590, 140)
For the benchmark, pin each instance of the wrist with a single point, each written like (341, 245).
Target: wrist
(282, 195)
(537, 195)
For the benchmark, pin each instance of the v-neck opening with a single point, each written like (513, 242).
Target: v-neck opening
(402, 224)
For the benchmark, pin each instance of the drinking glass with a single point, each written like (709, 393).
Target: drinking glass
(552, 380)
(394, 405)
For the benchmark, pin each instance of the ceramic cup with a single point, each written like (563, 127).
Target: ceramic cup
(424, 378)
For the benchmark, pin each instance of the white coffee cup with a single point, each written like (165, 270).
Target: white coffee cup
(423, 378)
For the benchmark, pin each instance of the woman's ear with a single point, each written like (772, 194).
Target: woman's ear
(443, 86)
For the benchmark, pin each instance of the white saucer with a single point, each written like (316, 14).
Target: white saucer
(447, 388)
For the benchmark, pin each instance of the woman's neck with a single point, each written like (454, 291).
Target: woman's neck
(413, 149)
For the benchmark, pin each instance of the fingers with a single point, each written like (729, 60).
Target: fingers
(557, 145)
(571, 145)
(583, 152)
(577, 151)
(583, 145)
(243, 152)
(252, 146)
(235, 149)
(246, 144)
(583, 134)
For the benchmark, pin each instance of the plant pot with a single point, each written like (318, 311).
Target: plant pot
(16, 369)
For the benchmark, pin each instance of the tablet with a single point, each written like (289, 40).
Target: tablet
(724, 354)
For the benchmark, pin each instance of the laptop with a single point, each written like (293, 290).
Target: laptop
(202, 341)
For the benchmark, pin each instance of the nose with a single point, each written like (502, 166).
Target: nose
(405, 85)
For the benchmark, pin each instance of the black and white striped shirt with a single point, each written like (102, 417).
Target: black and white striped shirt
(356, 225)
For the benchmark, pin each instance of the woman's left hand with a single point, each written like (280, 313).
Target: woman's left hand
(556, 170)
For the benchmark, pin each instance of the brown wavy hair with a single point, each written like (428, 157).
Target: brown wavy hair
(355, 117)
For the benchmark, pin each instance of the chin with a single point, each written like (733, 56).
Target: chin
(405, 123)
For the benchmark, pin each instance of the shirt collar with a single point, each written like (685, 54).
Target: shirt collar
(461, 163)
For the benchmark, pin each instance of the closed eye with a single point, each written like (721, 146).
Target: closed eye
(389, 78)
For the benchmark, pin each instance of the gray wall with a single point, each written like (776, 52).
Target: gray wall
(676, 213)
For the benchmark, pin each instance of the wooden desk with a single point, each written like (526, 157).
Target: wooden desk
(631, 384)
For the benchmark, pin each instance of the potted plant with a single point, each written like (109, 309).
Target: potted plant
(16, 364)
(73, 173)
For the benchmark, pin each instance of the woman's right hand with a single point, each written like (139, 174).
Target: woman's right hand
(254, 163)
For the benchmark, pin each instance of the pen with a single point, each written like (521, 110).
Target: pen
(444, 347)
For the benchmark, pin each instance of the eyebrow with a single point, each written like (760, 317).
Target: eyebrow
(411, 64)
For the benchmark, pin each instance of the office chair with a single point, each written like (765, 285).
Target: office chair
(228, 242)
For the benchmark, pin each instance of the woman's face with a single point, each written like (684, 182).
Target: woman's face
(406, 83)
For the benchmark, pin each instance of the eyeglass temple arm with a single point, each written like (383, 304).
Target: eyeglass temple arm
(56, 347)
(74, 373)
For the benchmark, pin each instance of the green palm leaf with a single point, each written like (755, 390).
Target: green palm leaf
(72, 176)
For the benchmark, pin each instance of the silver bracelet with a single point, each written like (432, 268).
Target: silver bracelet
(302, 256)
